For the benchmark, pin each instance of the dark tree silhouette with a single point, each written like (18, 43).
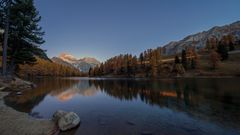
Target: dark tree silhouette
(184, 59)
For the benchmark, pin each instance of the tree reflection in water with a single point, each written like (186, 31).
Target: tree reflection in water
(209, 99)
(214, 99)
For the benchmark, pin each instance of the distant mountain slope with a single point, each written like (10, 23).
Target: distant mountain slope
(201, 38)
(62, 62)
(90, 60)
(83, 64)
(67, 58)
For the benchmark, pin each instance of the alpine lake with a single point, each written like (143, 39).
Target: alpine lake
(181, 106)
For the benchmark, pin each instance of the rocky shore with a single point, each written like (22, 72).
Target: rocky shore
(13, 122)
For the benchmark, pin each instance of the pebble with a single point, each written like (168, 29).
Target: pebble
(19, 93)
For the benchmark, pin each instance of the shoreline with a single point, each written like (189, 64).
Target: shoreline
(172, 77)
(141, 77)
(13, 122)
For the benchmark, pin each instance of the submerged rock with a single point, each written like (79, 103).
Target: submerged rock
(68, 121)
(130, 123)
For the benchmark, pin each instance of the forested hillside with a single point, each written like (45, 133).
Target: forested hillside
(47, 68)
(152, 63)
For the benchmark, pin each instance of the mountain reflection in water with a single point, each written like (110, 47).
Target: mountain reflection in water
(210, 100)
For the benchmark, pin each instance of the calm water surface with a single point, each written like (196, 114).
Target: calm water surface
(138, 107)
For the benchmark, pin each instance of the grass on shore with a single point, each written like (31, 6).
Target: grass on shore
(230, 67)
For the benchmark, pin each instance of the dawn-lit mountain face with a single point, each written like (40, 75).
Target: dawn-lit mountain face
(83, 64)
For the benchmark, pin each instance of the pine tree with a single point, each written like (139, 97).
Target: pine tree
(193, 63)
(141, 59)
(231, 46)
(212, 43)
(101, 69)
(214, 59)
(222, 50)
(125, 64)
(135, 65)
(153, 63)
(90, 72)
(208, 45)
(4, 23)
(25, 35)
(184, 59)
(177, 60)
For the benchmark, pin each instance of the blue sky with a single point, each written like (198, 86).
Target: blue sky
(105, 28)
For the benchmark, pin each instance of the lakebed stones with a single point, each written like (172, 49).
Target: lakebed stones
(66, 120)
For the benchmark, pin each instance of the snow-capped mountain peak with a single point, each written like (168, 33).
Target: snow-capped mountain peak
(83, 64)
(67, 58)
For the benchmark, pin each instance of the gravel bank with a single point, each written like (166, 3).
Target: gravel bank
(13, 122)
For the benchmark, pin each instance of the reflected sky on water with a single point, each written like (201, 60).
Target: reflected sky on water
(128, 106)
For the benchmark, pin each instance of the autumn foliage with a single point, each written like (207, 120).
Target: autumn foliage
(47, 68)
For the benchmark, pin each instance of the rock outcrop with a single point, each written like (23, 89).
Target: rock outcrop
(199, 39)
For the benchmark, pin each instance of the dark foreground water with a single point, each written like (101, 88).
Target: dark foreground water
(138, 107)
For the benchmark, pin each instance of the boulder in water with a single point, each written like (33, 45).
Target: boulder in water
(68, 121)
(58, 114)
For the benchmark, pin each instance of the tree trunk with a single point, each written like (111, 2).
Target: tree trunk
(5, 42)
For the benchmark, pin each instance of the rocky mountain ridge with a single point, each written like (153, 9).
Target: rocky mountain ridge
(83, 64)
(199, 39)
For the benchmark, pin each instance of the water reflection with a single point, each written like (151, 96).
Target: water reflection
(32, 98)
(212, 100)
(209, 99)
(81, 88)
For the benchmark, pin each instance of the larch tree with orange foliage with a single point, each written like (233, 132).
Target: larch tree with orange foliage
(214, 59)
